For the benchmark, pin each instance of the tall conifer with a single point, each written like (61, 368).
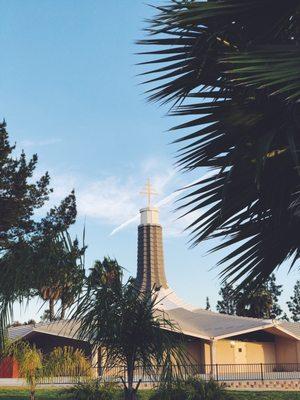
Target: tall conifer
(294, 303)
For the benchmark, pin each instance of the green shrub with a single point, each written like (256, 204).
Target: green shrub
(191, 389)
(93, 390)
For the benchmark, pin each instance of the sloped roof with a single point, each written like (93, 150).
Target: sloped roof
(209, 325)
(167, 299)
(192, 321)
(21, 331)
(62, 328)
(293, 327)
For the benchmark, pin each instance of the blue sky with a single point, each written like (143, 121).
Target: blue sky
(70, 93)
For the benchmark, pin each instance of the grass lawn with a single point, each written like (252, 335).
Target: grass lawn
(22, 394)
(54, 393)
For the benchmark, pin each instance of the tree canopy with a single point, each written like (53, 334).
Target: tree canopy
(22, 231)
(259, 303)
(294, 303)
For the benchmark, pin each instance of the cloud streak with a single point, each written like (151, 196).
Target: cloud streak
(114, 201)
(162, 203)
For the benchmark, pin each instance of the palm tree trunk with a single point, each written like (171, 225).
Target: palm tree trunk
(32, 388)
(32, 395)
(63, 310)
(51, 310)
(130, 391)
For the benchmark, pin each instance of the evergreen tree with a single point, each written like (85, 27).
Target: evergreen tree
(227, 304)
(294, 303)
(275, 290)
(20, 229)
(256, 304)
(261, 302)
(19, 197)
(207, 307)
(285, 317)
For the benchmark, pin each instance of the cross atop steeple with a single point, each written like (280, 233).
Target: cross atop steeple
(148, 191)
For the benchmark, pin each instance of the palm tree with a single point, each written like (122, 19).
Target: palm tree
(230, 68)
(51, 294)
(126, 325)
(61, 266)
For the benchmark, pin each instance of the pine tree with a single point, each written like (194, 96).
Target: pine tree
(19, 197)
(262, 302)
(207, 307)
(284, 317)
(294, 304)
(227, 304)
(256, 304)
(20, 229)
(275, 290)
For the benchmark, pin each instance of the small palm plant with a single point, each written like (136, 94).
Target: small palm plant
(33, 365)
(126, 324)
(30, 361)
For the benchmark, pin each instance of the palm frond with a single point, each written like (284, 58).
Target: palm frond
(231, 68)
(272, 69)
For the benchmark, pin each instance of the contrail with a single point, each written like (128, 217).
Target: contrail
(166, 200)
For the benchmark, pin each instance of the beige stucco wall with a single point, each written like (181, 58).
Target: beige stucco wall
(226, 351)
(253, 352)
(287, 351)
(260, 353)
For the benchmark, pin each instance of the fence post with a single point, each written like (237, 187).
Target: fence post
(261, 372)
(217, 372)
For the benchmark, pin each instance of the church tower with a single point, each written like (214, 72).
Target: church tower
(150, 258)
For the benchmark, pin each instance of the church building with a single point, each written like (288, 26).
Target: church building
(211, 338)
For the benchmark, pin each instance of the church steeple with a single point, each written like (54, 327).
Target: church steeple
(150, 262)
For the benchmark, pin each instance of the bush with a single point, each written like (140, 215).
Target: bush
(191, 389)
(93, 390)
(67, 361)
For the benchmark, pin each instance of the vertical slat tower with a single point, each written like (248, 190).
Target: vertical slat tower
(150, 259)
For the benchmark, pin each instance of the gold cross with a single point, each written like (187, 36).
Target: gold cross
(148, 191)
